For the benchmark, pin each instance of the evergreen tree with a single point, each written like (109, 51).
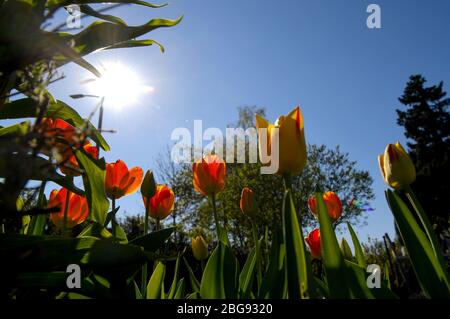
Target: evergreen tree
(427, 126)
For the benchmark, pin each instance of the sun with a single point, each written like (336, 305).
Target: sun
(118, 84)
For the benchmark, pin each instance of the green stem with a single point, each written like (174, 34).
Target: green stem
(100, 121)
(2, 229)
(158, 224)
(216, 218)
(66, 209)
(258, 254)
(287, 179)
(113, 218)
(34, 220)
(144, 268)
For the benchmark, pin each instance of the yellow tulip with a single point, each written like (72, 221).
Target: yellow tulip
(396, 166)
(289, 131)
(199, 248)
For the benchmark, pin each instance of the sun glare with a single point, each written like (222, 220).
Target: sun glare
(119, 84)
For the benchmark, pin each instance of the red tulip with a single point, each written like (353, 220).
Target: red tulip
(161, 204)
(77, 209)
(313, 241)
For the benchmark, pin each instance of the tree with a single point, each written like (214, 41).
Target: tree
(427, 126)
(327, 169)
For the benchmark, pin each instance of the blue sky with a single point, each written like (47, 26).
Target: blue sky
(316, 54)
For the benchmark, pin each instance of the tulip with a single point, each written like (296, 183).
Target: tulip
(58, 128)
(209, 175)
(77, 208)
(248, 203)
(313, 241)
(161, 204)
(120, 181)
(199, 248)
(333, 203)
(396, 167)
(71, 166)
(291, 139)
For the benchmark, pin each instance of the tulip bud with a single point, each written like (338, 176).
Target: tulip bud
(346, 251)
(248, 203)
(396, 167)
(148, 186)
(199, 248)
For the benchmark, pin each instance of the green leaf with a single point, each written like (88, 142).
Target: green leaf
(194, 282)
(357, 283)
(331, 253)
(37, 224)
(61, 3)
(153, 241)
(137, 292)
(86, 9)
(273, 284)
(94, 185)
(20, 253)
(174, 286)
(101, 35)
(19, 129)
(27, 108)
(247, 274)
(299, 273)
(179, 294)
(220, 277)
(432, 277)
(135, 43)
(94, 229)
(359, 255)
(37, 168)
(155, 287)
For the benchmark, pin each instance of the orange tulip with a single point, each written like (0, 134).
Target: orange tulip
(77, 209)
(120, 181)
(313, 241)
(209, 175)
(71, 165)
(161, 204)
(333, 203)
(248, 203)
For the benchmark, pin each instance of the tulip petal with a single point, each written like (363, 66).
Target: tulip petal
(135, 174)
(261, 122)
